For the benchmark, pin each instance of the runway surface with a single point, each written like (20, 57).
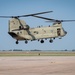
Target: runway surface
(37, 65)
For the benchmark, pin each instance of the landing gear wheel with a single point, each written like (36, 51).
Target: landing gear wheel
(60, 38)
(42, 41)
(51, 41)
(45, 38)
(26, 41)
(38, 39)
(17, 42)
(54, 38)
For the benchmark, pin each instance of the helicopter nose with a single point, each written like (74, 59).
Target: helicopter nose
(65, 32)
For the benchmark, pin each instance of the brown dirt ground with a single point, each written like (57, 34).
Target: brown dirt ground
(37, 65)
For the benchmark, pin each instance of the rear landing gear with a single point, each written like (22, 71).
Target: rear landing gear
(17, 42)
(26, 41)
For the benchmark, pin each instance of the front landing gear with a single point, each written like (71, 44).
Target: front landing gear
(42, 41)
(17, 42)
(51, 41)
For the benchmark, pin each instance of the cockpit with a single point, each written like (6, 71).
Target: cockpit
(55, 23)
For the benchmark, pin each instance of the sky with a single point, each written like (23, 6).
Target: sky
(62, 9)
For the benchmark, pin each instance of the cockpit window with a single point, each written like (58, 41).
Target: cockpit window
(63, 29)
(56, 23)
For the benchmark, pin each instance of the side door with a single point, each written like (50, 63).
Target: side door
(59, 31)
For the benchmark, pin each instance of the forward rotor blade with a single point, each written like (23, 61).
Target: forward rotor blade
(67, 20)
(43, 17)
(53, 20)
(61, 21)
(6, 16)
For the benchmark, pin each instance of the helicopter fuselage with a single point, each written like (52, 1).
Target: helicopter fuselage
(20, 32)
(38, 33)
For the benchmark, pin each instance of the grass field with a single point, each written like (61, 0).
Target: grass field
(36, 53)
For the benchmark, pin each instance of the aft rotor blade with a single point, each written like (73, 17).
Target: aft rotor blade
(35, 14)
(25, 15)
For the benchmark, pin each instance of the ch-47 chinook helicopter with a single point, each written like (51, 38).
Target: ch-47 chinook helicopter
(19, 30)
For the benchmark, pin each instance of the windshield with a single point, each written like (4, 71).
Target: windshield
(54, 23)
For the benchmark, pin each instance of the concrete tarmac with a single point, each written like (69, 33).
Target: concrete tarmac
(37, 65)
